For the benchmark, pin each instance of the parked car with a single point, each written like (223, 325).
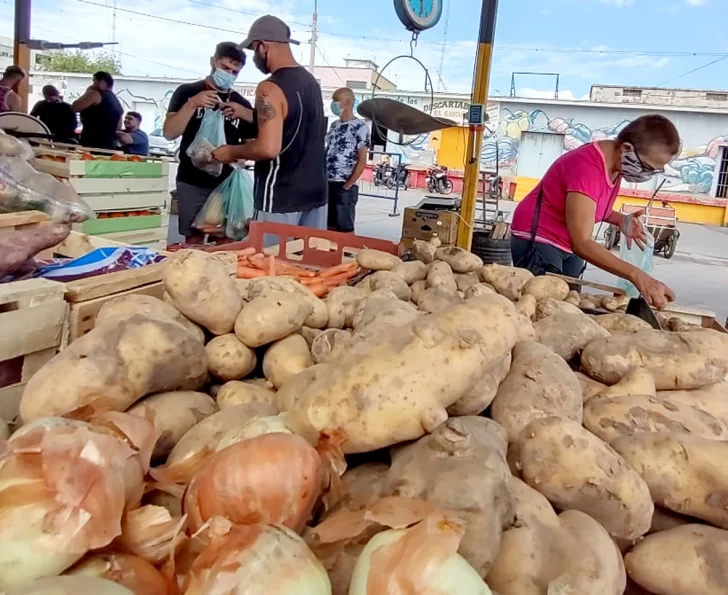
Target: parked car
(161, 147)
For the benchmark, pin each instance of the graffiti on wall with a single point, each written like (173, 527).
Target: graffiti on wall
(691, 172)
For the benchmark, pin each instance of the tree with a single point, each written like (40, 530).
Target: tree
(80, 61)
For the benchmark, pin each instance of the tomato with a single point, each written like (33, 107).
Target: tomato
(87, 157)
(135, 159)
(118, 158)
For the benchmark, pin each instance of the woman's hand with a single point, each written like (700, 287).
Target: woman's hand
(657, 294)
(634, 230)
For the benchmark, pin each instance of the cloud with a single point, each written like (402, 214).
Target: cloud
(620, 3)
(695, 2)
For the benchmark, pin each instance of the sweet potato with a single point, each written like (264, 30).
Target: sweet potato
(461, 467)
(238, 392)
(116, 364)
(393, 387)
(388, 280)
(286, 358)
(265, 286)
(675, 360)
(459, 259)
(341, 303)
(549, 307)
(547, 287)
(329, 345)
(539, 384)
(376, 260)
(481, 395)
(567, 334)
(575, 470)
(202, 290)
(270, 318)
(229, 359)
(621, 323)
(411, 271)
(173, 414)
(507, 281)
(440, 274)
(686, 474)
(687, 559)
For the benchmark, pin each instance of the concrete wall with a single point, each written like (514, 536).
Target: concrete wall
(332, 76)
(655, 96)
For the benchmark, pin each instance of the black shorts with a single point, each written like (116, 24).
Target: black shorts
(545, 258)
(342, 207)
(191, 199)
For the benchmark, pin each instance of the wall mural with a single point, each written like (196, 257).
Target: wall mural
(691, 173)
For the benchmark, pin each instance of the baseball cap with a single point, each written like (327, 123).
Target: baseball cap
(268, 28)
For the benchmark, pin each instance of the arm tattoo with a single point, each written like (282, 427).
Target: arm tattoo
(266, 111)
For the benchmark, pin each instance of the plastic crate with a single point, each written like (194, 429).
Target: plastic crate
(304, 245)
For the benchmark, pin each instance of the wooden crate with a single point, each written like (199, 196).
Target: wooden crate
(33, 319)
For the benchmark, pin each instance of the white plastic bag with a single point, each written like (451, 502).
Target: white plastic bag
(638, 257)
(209, 137)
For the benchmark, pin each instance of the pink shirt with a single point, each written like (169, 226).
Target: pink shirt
(582, 170)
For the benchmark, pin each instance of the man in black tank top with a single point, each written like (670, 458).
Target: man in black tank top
(290, 170)
(100, 112)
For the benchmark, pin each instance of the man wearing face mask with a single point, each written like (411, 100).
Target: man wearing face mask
(186, 108)
(347, 144)
(553, 226)
(289, 152)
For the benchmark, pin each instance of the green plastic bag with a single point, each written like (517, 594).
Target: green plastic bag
(239, 203)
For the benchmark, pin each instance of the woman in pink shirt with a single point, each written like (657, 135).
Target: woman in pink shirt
(552, 227)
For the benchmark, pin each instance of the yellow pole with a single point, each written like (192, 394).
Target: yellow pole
(475, 137)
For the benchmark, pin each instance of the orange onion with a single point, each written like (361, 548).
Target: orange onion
(71, 585)
(137, 575)
(151, 533)
(257, 560)
(64, 486)
(272, 478)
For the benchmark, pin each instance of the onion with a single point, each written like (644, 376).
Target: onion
(258, 560)
(71, 585)
(274, 479)
(151, 533)
(272, 424)
(135, 574)
(64, 485)
(421, 559)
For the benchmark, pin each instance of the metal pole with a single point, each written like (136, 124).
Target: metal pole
(475, 137)
(21, 51)
(314, 39)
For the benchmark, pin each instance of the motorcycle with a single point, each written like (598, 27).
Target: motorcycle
(437, 180)
(380, 174)
(398, 177)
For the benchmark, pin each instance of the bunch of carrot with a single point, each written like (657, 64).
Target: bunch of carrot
(252, 264)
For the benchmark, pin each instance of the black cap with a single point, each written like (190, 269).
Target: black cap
(268, 28)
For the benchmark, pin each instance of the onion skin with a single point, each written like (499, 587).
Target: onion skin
(273, 479)
(151, 533)
(135, 574)
(71, 585)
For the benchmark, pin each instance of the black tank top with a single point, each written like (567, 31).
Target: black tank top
(296, 179)
(101, 121)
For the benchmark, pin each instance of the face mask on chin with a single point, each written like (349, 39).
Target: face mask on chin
(261, 61)
(632, 169)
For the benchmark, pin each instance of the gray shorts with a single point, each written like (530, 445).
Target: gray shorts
(191, 200)
(315, 218)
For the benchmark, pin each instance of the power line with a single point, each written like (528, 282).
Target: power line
(693, 70)
(336, 72)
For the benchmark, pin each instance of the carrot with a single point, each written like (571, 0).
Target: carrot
(246, 252)
(339, 268)
(319, 289)
(286, 268)
(249, 273)
(272, 265)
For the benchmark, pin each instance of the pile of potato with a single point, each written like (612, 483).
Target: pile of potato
(580, 454)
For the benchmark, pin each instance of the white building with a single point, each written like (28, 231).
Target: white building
(659, 96)
(357, 74)
(6, 54)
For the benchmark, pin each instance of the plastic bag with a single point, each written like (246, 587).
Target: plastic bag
(229, 207)
(210, 136)
(13, 147)
(638, 257)
(99, 262)
(24, 189)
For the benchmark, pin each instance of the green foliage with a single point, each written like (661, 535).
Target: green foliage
(80, 61)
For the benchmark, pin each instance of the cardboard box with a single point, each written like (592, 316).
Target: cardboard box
(424, 224)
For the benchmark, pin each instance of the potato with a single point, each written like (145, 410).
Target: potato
(411, 271)
(202, 290)
(329, 345)
(575, 470)
(545, 553)
(286, 358)
(461, 467)
(290, 392)
(611, 417)
(526, 329)
(365, 284)
(116, 364)
(243, 287)
(440, 273)
(567, 334)
(637, 381)
(507, 281)
(573, 298)
(675, 360)
(547, 287)
(465, 281)
(479, 290)
(418, 288)
(539, 384)
(376, 316)
(526, 306)
(481, 395)
(589, 388)
(395, 387)
(310, 334)
(664, 520)
(587, 303)
(391, 281)
(687, 559)
(229, 359)
(686, 474)
(341, 303)
(712, 398)
(549, 307)
(236, 392)
(425, 251)
(621, 323)
(376, 260)
(437, 298)
(173, 414)
(265, 286)
(124, 307)
(270, 318)
(459, 259)
(612, 303)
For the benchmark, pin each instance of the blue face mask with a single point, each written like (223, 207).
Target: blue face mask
(336, 108)
(223, 80)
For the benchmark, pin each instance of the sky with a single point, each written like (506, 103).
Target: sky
(622, 42)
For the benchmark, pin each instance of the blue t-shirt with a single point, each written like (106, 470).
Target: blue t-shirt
(139, 144)
(342, 145)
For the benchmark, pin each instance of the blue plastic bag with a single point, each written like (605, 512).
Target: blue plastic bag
(210, 136)
(638, 257)
(99, 262)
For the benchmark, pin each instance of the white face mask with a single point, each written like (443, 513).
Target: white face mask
(633, 170)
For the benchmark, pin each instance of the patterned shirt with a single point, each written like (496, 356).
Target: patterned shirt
(342, 145)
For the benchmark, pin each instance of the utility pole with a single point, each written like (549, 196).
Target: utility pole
(21, 49)
(314, 38)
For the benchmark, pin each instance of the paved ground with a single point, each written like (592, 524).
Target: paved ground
(698, 273)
